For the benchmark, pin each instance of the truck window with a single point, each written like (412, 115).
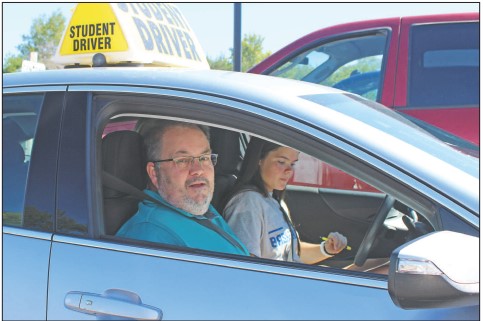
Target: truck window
(444, 65)
(352, 64)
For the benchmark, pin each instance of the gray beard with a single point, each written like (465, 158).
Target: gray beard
(196, 208)
(186, 203)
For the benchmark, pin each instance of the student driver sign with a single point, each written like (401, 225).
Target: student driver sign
(145, 33)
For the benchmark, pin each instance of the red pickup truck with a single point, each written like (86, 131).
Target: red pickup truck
(426, 67)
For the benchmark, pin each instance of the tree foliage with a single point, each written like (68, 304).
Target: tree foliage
(44, 37)
(252, 53)
(220, 63)
(12, 63)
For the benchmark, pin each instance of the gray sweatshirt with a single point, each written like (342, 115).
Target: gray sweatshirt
(260, 225)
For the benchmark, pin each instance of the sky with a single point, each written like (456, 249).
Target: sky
(279, 23)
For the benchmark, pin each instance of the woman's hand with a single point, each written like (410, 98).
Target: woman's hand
(335, 243)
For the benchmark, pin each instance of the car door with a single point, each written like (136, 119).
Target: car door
(438, 72)
(31, 126)
(359, 57)
(97, 276)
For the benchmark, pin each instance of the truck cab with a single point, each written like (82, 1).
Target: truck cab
(426, 67)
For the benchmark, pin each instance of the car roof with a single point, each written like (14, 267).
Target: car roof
(320, 107)
(166, 77)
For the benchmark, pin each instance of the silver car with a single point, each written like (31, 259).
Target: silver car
(410, 209)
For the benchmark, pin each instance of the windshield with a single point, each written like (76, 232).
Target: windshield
(454, 141)
(388, 121)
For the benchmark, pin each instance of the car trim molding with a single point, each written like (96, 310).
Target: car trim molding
(32, 89)
(9, 230)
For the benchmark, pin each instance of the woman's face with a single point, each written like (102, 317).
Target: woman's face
(277, 167)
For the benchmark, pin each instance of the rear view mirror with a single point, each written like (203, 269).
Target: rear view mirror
(439, 269)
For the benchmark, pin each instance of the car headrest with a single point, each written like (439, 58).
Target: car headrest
(13, 154)
(123, 156)
(227, 145)
(12, 131)
(12, 136)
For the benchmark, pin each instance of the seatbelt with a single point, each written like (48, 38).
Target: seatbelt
(118, 184)
(209, 224)
(293, 232)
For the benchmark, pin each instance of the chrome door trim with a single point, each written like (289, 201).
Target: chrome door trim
(10, 230)
(33, 89)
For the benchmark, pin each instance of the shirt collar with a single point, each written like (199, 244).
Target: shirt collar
(211, 213)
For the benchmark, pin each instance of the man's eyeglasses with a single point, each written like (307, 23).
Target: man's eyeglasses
(185, 162)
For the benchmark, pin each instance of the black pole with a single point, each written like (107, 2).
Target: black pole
(237, 38)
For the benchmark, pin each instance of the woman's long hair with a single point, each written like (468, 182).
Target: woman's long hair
(250, 178)
(250, 170)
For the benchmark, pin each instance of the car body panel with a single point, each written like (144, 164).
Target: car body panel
(447, 117)
(25, 258)
(274, 294)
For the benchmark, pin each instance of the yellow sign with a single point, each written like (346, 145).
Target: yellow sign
(146, 33)
(93, 28)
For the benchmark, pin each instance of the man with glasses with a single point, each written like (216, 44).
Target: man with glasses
(181, 174)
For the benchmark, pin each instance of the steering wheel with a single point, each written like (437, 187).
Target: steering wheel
(365, 247)
(415, 228)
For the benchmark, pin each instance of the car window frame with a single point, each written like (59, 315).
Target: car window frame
(183, 109)
(40, 191)
(388, 50)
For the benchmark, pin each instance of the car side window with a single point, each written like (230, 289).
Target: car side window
(323, 198)
(312, 172)
(122, 139)
(19, 120)
(320, 198)
(444, 65)
(352, 64)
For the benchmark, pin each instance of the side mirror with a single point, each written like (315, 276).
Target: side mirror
(439, 269)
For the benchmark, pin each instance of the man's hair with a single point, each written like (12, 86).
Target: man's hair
(153, 130)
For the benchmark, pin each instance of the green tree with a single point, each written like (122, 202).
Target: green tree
(220, 63)
(12, 63)
(252, 53)
(44, 37)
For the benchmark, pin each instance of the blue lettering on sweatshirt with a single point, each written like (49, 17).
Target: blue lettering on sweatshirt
(280, 239)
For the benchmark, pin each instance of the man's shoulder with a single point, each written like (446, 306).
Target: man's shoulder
(160, 214)
(154, 224)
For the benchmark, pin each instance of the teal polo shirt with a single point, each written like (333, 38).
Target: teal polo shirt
(170, 225)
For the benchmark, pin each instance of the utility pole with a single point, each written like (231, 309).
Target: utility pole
(237, 49)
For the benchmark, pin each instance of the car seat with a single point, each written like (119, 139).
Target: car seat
(123, 157)
(227, 145)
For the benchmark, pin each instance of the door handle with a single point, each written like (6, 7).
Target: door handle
(113, 302)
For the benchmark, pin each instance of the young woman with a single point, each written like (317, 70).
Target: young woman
(257, 214)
